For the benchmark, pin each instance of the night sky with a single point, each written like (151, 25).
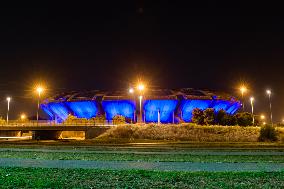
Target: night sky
(169, 44)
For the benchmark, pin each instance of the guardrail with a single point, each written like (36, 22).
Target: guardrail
(52, 123)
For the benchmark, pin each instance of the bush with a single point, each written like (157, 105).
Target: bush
(184, 132)
(2, 121)
(198, 116)
(244, 119)
(99, 119)
(220, 117)
(118, 120)
(267, 133)
(209, 116)
(71, 119)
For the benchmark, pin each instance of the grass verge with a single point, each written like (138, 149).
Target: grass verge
(81, 178)
(167, 157)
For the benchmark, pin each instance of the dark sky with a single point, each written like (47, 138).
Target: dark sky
(171, 44)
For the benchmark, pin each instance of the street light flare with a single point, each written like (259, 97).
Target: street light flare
(243, 89)
(8, 99)
(268, 92)
(262, 117)
(131, 90)
(140, 86)
(23, 116)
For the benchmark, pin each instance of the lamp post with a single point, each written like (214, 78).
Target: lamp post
(8, 108)
(39, 90)
(131, 91)
(243, 89)
(268, 92)
(251, 102)
(141, 89)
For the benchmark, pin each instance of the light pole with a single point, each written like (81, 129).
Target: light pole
(39, 90)
(243, 89)
(251, 102)
(268, 92)
(140, 88)
(131, 91)
(8, 108)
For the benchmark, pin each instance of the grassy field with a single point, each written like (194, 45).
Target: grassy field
(167, 157)
(79, 178)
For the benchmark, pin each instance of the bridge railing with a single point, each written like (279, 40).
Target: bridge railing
(53, 123)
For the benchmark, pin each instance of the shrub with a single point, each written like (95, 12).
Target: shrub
(118, 120)
(2, 121)
(198, 116)
(99, 119)
(244, 119)
(209, 115)
(267, 133)
(220, 117)
(71, 119)
(184, 132)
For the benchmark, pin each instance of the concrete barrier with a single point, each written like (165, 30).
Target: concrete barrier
(10, 133)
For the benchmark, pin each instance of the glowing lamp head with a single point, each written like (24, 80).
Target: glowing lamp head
(262, 117)
(251, 99)
(131, 90)
(140, 97)
(243, 89)
(39, 90)
(268, 92)
(140, 87)
(8, 99)
(23, 116)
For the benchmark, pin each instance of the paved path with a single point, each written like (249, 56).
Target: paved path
(172, 152)
(161, 166)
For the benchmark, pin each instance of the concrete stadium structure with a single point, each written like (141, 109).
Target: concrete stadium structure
(170, 106)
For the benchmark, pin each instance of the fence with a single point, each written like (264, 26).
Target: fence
(53, 123)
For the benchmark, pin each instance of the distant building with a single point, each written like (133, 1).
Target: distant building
(167, 105)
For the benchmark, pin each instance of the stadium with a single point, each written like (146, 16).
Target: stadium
(155, 105)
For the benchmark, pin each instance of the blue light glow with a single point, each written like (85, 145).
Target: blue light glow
(188, 105)
(59, 110)
(166, 108)
(221, 105)
(112, 108)
(234, 108)
(47, 110)
(83, 109)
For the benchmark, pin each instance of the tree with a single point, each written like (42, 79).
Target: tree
(118, 119)
(221, 117)
(198, 116)
(209, 115)
(244, 119)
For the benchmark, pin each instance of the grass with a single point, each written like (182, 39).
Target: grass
(80, 178)
(185, 132)
(168, 157)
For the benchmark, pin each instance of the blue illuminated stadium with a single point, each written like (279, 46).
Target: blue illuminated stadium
(172, 105)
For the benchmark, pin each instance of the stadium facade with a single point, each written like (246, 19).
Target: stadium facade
(170, 106)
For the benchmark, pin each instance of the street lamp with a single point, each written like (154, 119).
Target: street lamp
(268, 92)
(141, 88)
(8, 108)
(251, 102)
(243, 89)
(131, 90)
(262, 117)
(23, 117)
(39, 90)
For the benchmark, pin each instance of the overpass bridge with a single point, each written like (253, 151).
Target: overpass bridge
(48, 131)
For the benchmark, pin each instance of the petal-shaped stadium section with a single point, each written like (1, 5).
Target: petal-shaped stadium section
(125, 108)
(84, 109)
(166, 109)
